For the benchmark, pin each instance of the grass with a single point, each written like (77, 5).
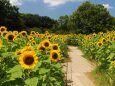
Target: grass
(101, 78)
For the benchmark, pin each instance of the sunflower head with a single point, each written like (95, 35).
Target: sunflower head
(54, 56)
(30, 37)
(113, 38)
(4, 33)
(33, 42)
(27, 48)
(10, 37)
(99, 44)
(23, 34)
(28, 59)
(32, 33)
(40, 47)
(94, 34)
(18, 52)
(103, 40)
(3, 28)
(101, 33)
(15, 32)
(55, 47)
(46, 43)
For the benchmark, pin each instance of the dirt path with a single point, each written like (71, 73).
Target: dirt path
(78, 68)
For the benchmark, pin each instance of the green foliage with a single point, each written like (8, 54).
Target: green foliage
(39, 22)
(89, 18)
(103, 55)
(72, 40)
(35, 29)
(46, 72)
(9, 15)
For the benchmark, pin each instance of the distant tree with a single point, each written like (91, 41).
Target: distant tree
(34, 20)
(9, 15)
(89, 18)
(63, 24)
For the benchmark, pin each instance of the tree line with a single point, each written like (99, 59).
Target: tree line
(86, 19)
(11, 18)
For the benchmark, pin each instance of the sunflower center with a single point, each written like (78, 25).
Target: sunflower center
(100, 44)
(23, 34)
(54, 55)
(29, 60)
(42, 48)
(103, 40)
(55, 47)
(4, 34)
(49, 37)
(10, 37)
(46, 44)
(2, 29)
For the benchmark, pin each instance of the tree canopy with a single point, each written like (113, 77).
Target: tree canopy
(9, 15)
(89, 18)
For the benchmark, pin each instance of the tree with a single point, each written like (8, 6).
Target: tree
(9, 15)
(63, 21)
(89, 18)
(34, 20)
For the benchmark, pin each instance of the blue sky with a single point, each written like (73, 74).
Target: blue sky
(56, 8)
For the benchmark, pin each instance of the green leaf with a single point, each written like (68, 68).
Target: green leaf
(111, 56)
(56, 65)
(52, 79)
(32, 81)
(43, 70)
(16, 72)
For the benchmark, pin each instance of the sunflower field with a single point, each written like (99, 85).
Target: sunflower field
(31, 59)
(101, 49)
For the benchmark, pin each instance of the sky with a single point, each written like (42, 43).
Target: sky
(57, 8)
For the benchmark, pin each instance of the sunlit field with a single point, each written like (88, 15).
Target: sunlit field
(57, 43)
(35, 59)
(30, 59)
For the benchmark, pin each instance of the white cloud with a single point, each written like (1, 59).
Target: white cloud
(19, 2)
(53, 3)
(16, 2)
(107, 6)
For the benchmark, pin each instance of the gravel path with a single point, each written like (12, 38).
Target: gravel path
(78, 68)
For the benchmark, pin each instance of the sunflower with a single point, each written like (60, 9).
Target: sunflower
(30, 37)
(49, 37)
(54, 56)
(3, 28)
(28, 59)
(32, 33)
(55, 47)
(101, 33)
(99, 44)
(94, 34)
(18, 52)
(103, 40)
(4, 33)
(23, 34)
(10, 37)
(0, 43)
(46, 43)
(40, 47)
(113, 62)
(27, 48)
(33, 42)
(113, 38)
(15, 32)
